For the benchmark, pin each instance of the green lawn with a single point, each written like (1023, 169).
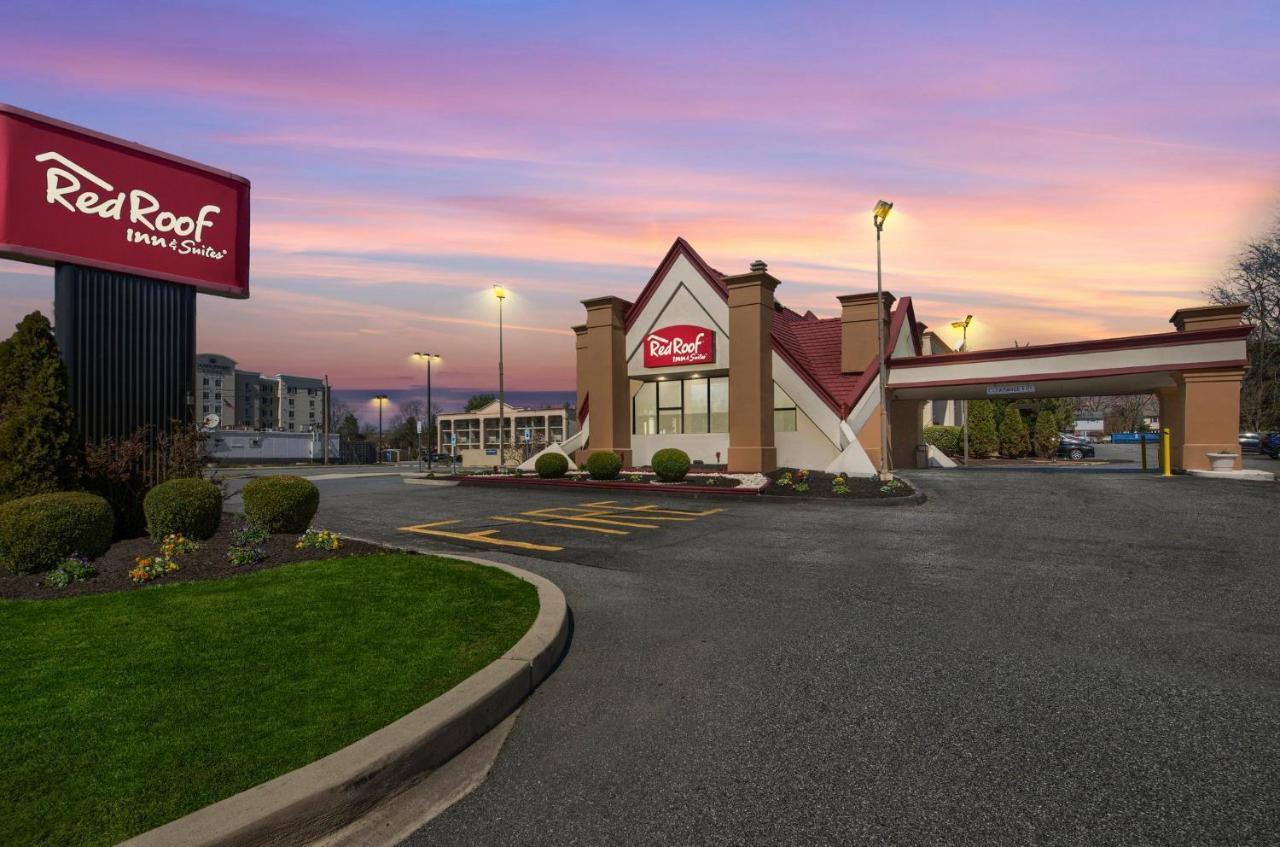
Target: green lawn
(123, 711)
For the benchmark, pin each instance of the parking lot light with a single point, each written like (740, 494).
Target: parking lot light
(878, 216)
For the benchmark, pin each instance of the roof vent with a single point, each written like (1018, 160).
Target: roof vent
(758, 266)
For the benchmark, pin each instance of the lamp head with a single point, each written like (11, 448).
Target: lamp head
(881, 212)
(964, 324)
(499, 292)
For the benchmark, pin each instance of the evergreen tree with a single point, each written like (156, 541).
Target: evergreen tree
(479, 401)
(983, 440)
(39, 448)
(1013, 433)
(1046, 434)
(349, 428)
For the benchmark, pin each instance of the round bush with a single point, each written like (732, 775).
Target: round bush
(192, 507)
(39, 532)
(670, 464)
(551, 466)
(281, 503)
(604, 465)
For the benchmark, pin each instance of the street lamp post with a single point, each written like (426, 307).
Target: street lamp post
(501, 294)
(878, 216)
(381, 400)
(430, 357)
(963, 326)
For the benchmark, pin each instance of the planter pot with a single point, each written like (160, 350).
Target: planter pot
(1222, 461)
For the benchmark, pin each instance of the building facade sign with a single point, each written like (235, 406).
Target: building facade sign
(72, 195)
(682, 344)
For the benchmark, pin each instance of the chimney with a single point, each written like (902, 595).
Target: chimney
(1208, 317)
(858, 329)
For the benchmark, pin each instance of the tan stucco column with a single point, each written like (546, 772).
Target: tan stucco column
(1171, 403)
(602, 372)
(858, 335)
(906, 432)
(751, 447)
(1210, 416)
(581, 351)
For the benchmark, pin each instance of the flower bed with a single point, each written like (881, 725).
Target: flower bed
(640, 479)
(797, 482)
(137, 562)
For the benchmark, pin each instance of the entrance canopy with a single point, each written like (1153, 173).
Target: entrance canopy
(1134, 365)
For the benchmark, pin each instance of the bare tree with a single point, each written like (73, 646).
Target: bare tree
(1254, 280)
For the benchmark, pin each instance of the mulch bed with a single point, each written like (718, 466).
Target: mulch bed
(208, 562)
(860, 488)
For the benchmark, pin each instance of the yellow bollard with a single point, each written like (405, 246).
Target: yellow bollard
(1165, 464)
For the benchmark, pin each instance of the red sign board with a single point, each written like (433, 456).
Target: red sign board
(682, 344)
(68, 194)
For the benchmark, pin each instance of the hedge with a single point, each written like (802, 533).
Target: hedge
(191, 507)
(38, 532)
(281, 503)
(551, 466)
(948, 439)
(604, 465)
(670, 464)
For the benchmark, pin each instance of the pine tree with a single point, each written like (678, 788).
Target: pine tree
(1046, 434)
(983, 440)
(39, 448)
(1013, 434)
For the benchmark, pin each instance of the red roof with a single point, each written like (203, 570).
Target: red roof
(811, 345)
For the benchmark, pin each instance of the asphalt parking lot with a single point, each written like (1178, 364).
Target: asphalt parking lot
(1027, 658)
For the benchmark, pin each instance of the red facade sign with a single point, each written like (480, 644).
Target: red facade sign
(72, 195)
(682, 344)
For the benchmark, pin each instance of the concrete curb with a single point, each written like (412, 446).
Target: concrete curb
(614, 485)
(326, 795)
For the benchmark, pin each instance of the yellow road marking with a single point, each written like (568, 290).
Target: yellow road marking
(484, 536)
(653, 510)
(560, 525)
(587, 516)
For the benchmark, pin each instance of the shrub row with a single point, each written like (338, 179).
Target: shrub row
(191, 507)
(948, 439)
(551, 466)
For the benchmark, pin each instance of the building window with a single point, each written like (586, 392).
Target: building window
(206, 381)
(290, 418)
(555, 429)
(696, 401)
(644, 410)
(206, 395)
(670, 407)
(719, 393)
(217, 396)
(217, 383)
(784, 411)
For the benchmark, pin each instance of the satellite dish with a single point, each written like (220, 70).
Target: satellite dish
(211, 421)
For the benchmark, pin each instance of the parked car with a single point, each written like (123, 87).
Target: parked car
(1074, 447)
(1269, 444)
(1250, 442)
(438, 458)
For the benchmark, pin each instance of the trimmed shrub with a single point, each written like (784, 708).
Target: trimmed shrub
(983, 439)
(948, 439)
(1046, 435)
(670, 464)
(604, 465)
(551, 466)
(1013, 434)
(191, 507)
(40, 532)
(281, 503)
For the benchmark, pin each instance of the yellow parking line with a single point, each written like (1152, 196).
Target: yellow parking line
(483, 536)
(587, 516)
(560, 525)
(653, 510)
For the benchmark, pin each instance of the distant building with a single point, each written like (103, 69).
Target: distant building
(251, 401)
(474, 435)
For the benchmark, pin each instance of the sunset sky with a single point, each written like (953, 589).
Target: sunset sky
(1060, 171)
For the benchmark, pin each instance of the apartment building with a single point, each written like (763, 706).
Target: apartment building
(251, 400)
